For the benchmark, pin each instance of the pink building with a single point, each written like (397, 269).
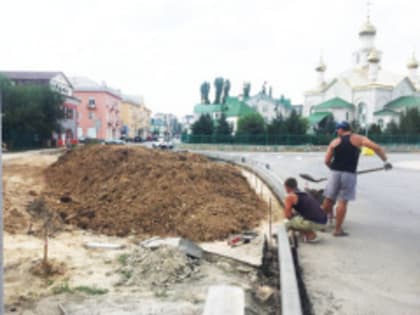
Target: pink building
(99, 110)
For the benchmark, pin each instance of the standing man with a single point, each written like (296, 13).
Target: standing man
(342, 158)
(308, 216)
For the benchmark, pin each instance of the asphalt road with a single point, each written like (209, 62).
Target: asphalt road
(376, 270)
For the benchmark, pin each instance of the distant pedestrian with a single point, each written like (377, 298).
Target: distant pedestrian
(342, 157)
(307, 216)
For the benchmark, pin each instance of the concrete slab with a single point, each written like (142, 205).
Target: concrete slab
(225, 299)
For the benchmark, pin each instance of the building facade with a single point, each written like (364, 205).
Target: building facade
(99, 110)
(367, 92)
(58, 82)
(165, 125)
(270, 107)
(135, 117)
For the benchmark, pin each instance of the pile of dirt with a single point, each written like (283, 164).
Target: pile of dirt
(158, 267)
(120, 191)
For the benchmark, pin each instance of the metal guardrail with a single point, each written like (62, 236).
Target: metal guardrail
(290, 297)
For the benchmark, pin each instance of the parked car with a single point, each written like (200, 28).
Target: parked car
(138, 139)
(161, 143)
(114, 141)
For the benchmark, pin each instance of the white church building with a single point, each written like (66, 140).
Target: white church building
(366, 92)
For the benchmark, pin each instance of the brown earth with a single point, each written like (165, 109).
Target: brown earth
(23, 182)
(119, 191)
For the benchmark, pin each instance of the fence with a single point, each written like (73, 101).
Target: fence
(267, 139)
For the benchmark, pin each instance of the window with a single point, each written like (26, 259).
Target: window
(91, 115)
(347, 116)
(362, 111)
(69, 113)
(381, 123)
(91, 100)
(265, 108)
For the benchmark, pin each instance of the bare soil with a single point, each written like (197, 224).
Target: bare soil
(121, 191)
(31, 291)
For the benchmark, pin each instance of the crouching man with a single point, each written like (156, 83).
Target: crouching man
(303, 213)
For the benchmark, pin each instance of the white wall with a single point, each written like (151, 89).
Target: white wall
(59, 84)
(311, 100)
(339, 89)
(340, 114)
(367, 97)
(402, 89)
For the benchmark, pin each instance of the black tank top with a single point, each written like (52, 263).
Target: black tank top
(346, 156)
(309, 208)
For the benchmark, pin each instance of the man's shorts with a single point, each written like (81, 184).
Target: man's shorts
(341, 186)
(299, 223)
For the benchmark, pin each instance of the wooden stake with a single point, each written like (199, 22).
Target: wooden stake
(46, 244)
(270, 219)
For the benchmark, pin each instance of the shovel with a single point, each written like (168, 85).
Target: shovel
(311, 179)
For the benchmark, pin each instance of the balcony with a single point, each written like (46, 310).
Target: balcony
(91, 106)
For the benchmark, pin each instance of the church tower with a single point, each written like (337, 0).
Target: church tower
(320, 70)
(373, 61)
(367, 35)
(412, 66)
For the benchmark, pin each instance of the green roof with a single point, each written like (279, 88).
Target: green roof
(385, 112)
(315, 118)
(335, 102)
(404, 102)
(233, 108)
(207, 108)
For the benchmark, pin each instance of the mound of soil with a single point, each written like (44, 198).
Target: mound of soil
(157, 267)
(120, 190)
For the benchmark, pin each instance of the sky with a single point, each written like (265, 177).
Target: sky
(165, 49)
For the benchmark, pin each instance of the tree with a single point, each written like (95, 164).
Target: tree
(205, 90)
(218, 85)
(226, 89)
(264, 88)
(326, 126)
(30, 111)
(246, 89)
(410, 121)
(203, 126)
(251, 124)
(374, 130)
(392, 128)
(295, 124)
(223, 128)
(355, 126)
(277, 126)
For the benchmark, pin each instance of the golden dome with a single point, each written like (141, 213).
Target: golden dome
(374, 56)
(367, 29)
(412, 63)
(321, 67)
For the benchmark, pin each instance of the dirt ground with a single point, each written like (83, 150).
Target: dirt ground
(118, 190)
(93, 281)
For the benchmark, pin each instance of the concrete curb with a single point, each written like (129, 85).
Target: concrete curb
(290, 297)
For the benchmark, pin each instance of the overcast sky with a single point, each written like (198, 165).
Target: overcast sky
(164, 49)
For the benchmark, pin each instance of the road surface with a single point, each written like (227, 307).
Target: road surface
(376, 270)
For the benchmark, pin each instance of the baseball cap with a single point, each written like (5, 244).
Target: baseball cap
(343, 125)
